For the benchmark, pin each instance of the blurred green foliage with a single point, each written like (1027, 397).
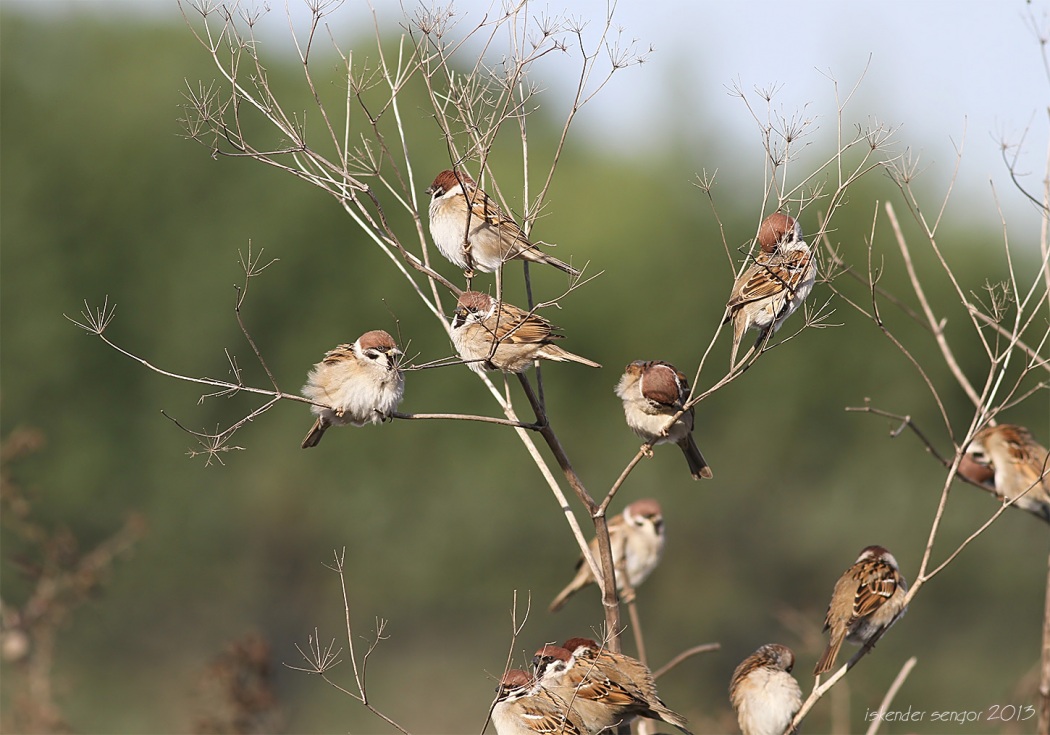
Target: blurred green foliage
(442, 522)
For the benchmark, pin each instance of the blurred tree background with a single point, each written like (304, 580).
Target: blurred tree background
(103, 196)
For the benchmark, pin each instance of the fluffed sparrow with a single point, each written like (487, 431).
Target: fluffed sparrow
(1009, 462)
(652, 392)
(361, 382)
(490, 239)
(636, 538)
(775, 285)
(505, 338)
(868, 598)
(764, 694)
(523, 707)
(607, 690)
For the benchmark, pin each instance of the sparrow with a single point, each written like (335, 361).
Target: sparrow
(868, 599)
(498, 336)
(652, 392)
(606, 689)
(618, 666)
(360, 383)
(523, 707)
(473, 233)
(1009, 462)
(636, 538)
(775, 285)
(764, 694)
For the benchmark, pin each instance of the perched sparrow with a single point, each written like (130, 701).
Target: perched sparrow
(361, 382)
(505, 338)
(634, 675)
(1009, 462)
(525, 708)
(636, 537)
(764, 694)
(776, 284)
(652, 393)
(606, 689)
(489, 239)
(868, 598)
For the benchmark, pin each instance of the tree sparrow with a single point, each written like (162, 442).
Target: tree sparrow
(775, 285)
(620, 667)
(868, 598)
(1009, 462)
(473, 233)
(523, 707)
(652, 392)
(636, 538)
(606, 691)
(361, 383)
(764, 694)
(498, 336)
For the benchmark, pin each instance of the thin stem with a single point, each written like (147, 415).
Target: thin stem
(936, 325)
(636, 621)
(607, 579)
(685, 656)
(891, 693)
(463, 417)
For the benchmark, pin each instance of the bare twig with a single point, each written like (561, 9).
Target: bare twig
(516, 626)
(936, 325)
(685, 656)
(890, 694)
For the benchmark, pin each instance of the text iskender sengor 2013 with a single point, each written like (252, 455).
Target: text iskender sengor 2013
(992, 713)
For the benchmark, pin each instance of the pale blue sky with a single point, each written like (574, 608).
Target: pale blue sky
(964, 71)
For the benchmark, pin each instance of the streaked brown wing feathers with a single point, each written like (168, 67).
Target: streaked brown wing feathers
(782, 272)
(877, 586)
(520, 327)
(484, 208)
